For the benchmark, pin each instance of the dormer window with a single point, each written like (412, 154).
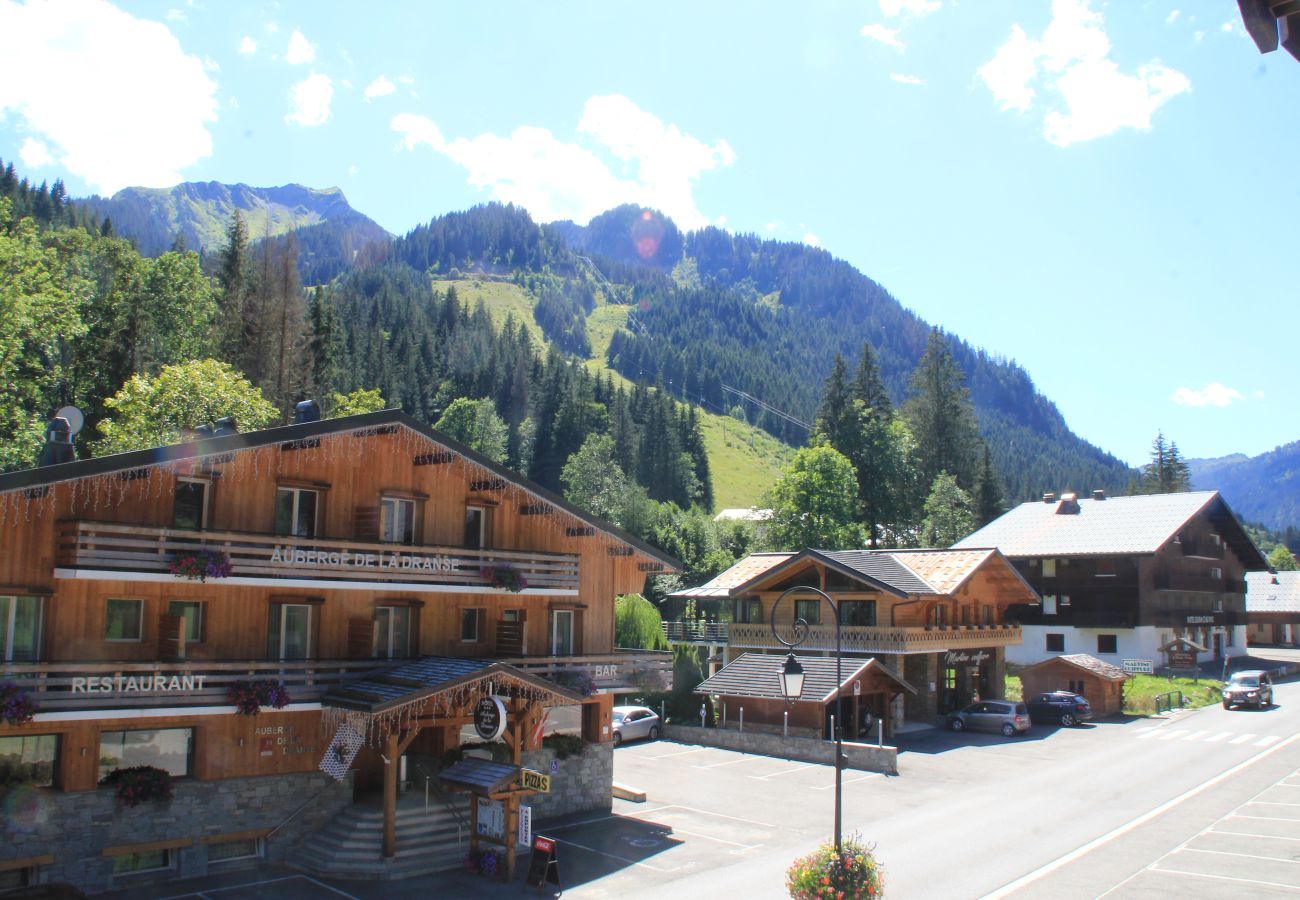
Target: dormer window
(1049, 568)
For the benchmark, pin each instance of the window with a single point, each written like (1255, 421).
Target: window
(124, 620)
(1063, 600)
(392, 632)
(21, 620)
(295, 511)
(1105, 568)
(16, 878)
(242, 848)
(1232, 636)
(166, 748)
(290, 631)
(29, 759)
(1055, 643)
(475, 527)
(1049, 604)
(146, 861)
(470, 621)
(397, 520)
(562, 632)
(748, 611)
(1049, 568)
(192, 612)
(1107, 643)
(1076, 687)
(190, 503)
(858, 612)
(808, 610)
(939, 614)
(1216, 573)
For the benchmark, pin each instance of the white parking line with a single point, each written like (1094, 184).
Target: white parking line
(1262, 818)
(827, 787)
(679, 753)
(1215, 738)
(1294, 862)
(1272, 837)
(709, 837)
(625, 859)
(1242, 738)
(1270, 803)
(1165, 871)
(782, 772)
(706, 812)
(732, 762)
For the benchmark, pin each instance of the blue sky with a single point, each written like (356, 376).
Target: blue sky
(1103, 192)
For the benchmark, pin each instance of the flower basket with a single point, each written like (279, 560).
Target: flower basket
(483, 862)
(249, 697)
(577, 680)
(504, 577)
(140, 784)
(16, 706)
(851, 875)
(200, 565)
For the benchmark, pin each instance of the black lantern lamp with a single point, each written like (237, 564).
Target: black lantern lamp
(791, 678)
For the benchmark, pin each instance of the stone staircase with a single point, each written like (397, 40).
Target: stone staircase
(351, 844)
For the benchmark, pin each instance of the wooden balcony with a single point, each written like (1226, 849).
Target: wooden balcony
(645, 671)
(864, 639)
(695, 632)
(117, 552)
(58, 686)
(1197, 583)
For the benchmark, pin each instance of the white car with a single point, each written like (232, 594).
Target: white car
(632, 722)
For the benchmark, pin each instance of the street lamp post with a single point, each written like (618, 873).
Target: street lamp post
(790, 676)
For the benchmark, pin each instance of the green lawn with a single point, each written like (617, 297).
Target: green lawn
(1140, 692)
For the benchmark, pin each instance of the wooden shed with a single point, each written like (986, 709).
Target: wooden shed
(1100, 683)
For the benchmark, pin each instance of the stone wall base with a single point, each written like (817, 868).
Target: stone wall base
(867, 757)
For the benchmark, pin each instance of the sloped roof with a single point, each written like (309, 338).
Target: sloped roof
(880, 565)
(429, 675)
(944, 570)
(724, 584)
(364, 423)
(755, 675)
(1117, 525)
(1268, 592)
(1088, 663)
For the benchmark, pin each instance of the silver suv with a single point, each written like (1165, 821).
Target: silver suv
(1249, 687)
(1007, 716)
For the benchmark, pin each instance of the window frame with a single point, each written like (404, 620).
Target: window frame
(278, 609)
(189, 755)
(9, 613)
(168, 862)
(295, 508)
(1114, 643)
(868, 605)
(201, 618)
(801, 605)
(139, 620)
(205, 508)
(556, 615)
(53, 761)
(1049, 568)
(416, 507)
(259, 849)
(482, 527)
(1049, 605)
(1050, 638)
(390, 611)
(477, 615)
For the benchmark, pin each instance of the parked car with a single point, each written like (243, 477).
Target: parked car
(1064, 707)
(1007, 716)
(1248, 687)
(632, 722)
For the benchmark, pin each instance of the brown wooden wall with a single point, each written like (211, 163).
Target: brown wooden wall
(351, 474)
(1103, 695)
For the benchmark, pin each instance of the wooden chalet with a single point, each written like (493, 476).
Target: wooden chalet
(934, 618)
(144, 595)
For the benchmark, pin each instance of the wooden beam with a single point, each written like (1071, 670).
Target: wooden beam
(390, 795)
(8, 865)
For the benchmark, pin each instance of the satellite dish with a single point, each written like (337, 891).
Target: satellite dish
(74, 416)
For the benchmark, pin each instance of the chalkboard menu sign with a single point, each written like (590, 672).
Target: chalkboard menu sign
(543, 865)
(489, 718)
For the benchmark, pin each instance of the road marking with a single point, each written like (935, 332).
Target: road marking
(1263, 818)
(1141, 732)
(783, 772)
(679, 753)
(705, 812)
(613, 856)
(248, 884)
(709, 837)
(1267, 740)
(1269, 803)
(1294, 862)
(827, 787)
(1273, 837)
(1164, 871)
(1173, 735)
(731, 762)
(1149, 734)
(1138, 822)
(1196, 735)
(1218, 737)
(1242, 738)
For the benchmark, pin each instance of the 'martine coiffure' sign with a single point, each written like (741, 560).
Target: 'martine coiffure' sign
(962, 657)
(346, 559)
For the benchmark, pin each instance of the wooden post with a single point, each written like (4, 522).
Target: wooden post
(391, 755)
(511, 835)
(473, 825)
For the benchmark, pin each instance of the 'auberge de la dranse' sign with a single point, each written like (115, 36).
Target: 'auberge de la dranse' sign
(295, 556)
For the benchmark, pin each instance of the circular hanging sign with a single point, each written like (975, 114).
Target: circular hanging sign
(489, 718)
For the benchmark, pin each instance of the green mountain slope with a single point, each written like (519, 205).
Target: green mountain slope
(1263, 489)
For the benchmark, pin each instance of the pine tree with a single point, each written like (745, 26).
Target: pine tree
(987, 499)
(941, 416)
(1167, 472)
(837, 421)
(232, 275)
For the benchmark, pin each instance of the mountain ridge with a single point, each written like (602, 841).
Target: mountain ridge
(1263, 489)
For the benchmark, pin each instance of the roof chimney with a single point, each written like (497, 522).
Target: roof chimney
(306, 411)
(1049, 497)
(225, 427)
(1099, 494)
(1069, 505)
(58, 443)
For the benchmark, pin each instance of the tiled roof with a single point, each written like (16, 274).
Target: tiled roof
(481, 775)
(1088, 663)
(755, 675)
(1267, 592)
(882, 566)
(743, 572)
(425, 676)
(1140, 524)
(943, 570)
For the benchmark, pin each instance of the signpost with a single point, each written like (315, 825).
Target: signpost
(544, 865)
(489, 718)
(534, 781)
(1139, 666)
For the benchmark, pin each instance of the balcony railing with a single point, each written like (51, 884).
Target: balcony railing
(1183, 581)
(864, 639)
(116, 685)
(102, 550)
(649, 671)
(695, 632)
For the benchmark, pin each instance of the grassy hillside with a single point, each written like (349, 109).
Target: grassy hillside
(744, 460)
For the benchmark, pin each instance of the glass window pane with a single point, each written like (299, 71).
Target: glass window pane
(147, 861)
(469, 624)
(167, 749)
(187, 508)
(284, 511)
(27, 628)
(6, 610)
(379, 648)
(401, 632)
(29, 759)
(241, 849)
(191, 611)
(305, 526)
(474, 528)
(297, 632)
(562, 633)
(122, 620)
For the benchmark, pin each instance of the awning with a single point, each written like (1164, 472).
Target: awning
(755, 675)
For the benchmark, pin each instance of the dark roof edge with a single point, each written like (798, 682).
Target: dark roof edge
(137, 459)
(809, 553)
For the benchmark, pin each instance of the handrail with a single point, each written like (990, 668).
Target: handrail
(293, 815)
(863, 638)
(1165, 701)
(438, 793)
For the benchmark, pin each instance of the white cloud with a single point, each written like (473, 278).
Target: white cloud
(1172, 17)
(556, 179)
(100, 115)
(811, 239)
(912, 8)
(35, 154)
(885, 35)
(380, 87)
(770, 227)
(175, 15)
(300, 49)
(352, 169)
(247, 45)
(1213, 394)
(905, 79)
(310, 100)
(1090, 96)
